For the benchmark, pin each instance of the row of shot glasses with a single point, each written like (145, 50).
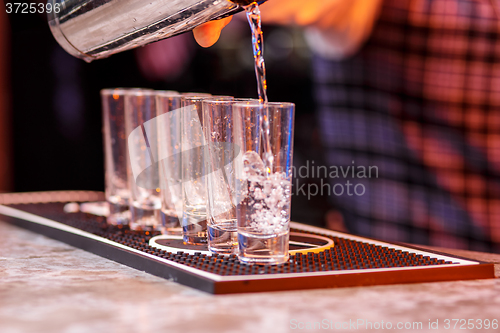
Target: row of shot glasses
(194, 164)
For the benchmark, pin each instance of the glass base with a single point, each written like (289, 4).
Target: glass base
(145, 219)
(255, 248)
(118, 214)
(194, 226)
(223, 240)
(191, 238)
(170, 224)
(264, 261)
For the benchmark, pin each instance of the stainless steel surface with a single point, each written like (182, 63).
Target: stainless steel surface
(94, 29)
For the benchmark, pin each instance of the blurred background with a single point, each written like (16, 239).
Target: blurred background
(417, 100)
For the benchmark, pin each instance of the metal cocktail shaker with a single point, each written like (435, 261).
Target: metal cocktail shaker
(94, 29)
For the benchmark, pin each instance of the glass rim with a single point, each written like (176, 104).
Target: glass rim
(216, 100)
(167, 93)
(124, 91)
(140, 93)
(195, 94)
(255, 103)
(243, 99)
(203, 98)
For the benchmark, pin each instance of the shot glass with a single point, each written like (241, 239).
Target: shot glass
(221, 165)
(143, 174)
(116, 154)
(264, 180)
(194, 194)
(168, 120)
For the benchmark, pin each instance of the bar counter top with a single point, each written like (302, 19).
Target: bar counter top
(48, 286)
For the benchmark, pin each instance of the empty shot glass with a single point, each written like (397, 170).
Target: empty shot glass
(168, 119)
(221, 166)
(143, 173)
(194, 194)
(115, 154)
(264, 181)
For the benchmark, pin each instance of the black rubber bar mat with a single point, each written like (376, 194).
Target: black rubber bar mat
(319, 258)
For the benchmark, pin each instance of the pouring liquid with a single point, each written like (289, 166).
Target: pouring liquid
(253, 17)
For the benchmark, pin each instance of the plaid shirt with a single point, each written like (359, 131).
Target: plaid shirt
(421, 101)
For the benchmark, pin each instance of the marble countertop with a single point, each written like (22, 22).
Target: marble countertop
(48, 286)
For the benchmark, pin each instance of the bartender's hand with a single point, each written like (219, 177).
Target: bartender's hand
(352, 19)
(207, 34)
(324, 14)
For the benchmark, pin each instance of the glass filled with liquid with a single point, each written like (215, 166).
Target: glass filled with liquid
(264, 181)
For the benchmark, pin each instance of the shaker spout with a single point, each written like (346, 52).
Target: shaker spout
(95, 29)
